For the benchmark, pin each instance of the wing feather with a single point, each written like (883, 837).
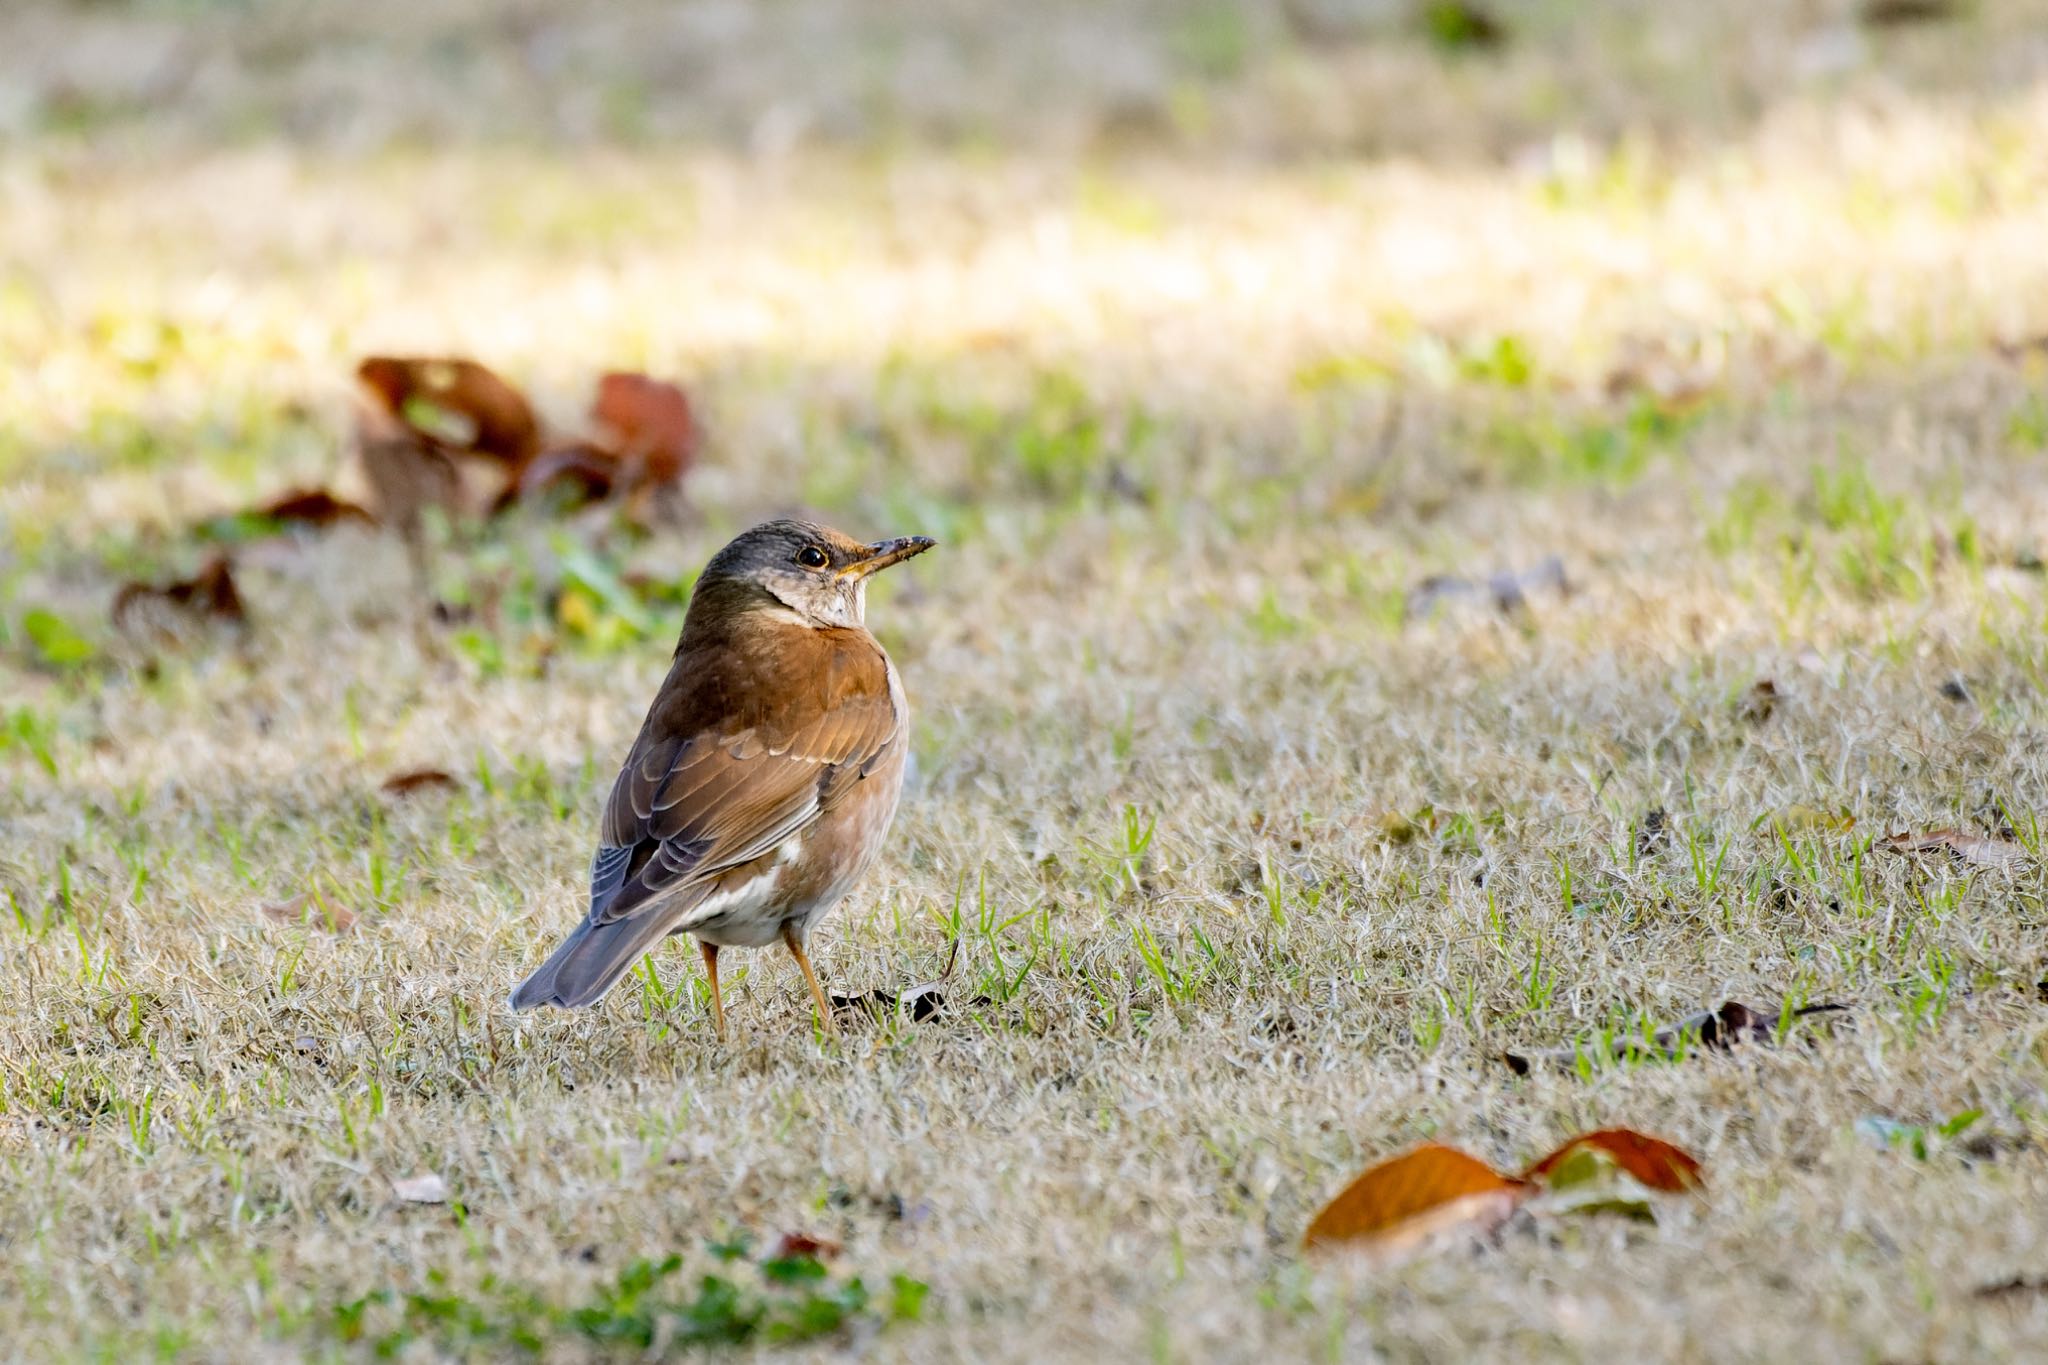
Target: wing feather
(688, 806)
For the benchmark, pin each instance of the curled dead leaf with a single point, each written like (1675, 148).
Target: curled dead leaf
(453, 403)
(1651, 1162)
(419, 780)
(312, 911)
(916, 1003)
(1977, 850)
(312, 507)
(581, 465)
(210, 593)
(425, 1188)
(1400, 1205)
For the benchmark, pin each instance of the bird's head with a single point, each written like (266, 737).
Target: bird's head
(814, 572)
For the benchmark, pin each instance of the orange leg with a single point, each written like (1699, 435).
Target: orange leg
(796, 949)
(710, 951)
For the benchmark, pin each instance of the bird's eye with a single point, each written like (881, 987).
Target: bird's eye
(811, 557)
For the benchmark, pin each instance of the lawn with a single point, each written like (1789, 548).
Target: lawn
(1453, 543)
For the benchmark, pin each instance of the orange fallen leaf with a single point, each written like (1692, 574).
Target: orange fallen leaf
(319, 914)
(1976, 849)
(211, 592)
(421, 779)
(1651, 1162)
(1400, 1204)
(653, 430)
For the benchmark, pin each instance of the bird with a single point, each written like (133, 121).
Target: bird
(765, 776)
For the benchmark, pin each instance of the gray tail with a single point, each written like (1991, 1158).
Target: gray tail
(590, 962)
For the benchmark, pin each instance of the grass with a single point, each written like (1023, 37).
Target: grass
(1196, 370)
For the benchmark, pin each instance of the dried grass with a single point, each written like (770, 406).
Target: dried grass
(1190, 420)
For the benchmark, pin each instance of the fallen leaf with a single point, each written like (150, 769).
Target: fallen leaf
(1976, 849)
(309, 910)
(297, 507)
(653, 431)
(454, 403)
(209, 593)
(405, 784)
(426, 1188)
(1715, 1030)
(312, 507)
(917, 1003)
(645, 442)
(580, 464)
(1651, 1162)
(803, 1244)
(1401, 1204)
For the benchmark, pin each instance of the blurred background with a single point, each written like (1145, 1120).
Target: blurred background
(866, 232)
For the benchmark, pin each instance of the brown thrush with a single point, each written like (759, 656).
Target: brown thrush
(765, 775)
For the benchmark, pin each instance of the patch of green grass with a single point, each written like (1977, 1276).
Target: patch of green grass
(1612, 449)
(779, 1301)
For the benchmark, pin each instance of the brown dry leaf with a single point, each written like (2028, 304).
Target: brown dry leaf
(803, 1244)
(1401, 1204)
(454, 403)
(309, 910)
(917, 1003)
(313, 507)
(1715, 1030)
(425, 1188)
(420, 779)
(1651, 1162)
(209, 593)
(582, 464)
(653, 431)
(1978, 850)
(438, 433)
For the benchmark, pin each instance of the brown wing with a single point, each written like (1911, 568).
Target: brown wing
(718, 778)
